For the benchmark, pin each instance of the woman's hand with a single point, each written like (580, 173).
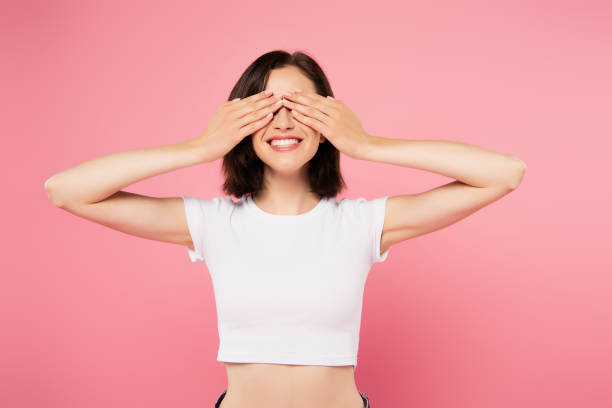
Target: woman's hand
(233, 121)
(332, 118)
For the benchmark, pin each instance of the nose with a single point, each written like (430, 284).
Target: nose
(283, 119)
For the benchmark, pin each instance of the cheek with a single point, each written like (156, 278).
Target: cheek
(260, 132)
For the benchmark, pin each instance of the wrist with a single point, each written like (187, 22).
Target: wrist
(198, 149)
(369, 145)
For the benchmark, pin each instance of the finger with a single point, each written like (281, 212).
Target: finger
(311, 122)
(309, 111)
(259, 110)
(313, 100)
(253, 127)
(239, 103)
(258, 104)
(255, 104)
(308, 95)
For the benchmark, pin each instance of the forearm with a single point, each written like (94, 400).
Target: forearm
(97, 179)
(467, 163)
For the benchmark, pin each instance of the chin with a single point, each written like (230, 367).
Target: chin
(285, 165)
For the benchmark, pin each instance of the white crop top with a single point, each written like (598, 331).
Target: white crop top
(288, 288)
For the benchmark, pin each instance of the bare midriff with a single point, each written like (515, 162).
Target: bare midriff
(259, 385)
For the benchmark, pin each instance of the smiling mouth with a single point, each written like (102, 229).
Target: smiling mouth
(286, 147)
(290, 144)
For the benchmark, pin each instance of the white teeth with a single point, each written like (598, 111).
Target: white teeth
(284, 142)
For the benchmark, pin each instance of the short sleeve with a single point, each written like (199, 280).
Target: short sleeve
(377, 208)
(194, 212)
(368, 218)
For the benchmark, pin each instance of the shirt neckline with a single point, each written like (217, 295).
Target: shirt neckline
(254, 209)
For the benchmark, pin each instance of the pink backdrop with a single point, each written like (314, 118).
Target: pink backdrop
(509, 308)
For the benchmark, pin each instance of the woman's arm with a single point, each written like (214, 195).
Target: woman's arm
(92, 190)
(98, 179)
(482, 177)
(472, 165)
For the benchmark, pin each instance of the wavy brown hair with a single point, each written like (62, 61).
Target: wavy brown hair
(243, 170)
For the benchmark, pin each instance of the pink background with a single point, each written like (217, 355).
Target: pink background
(509, 308)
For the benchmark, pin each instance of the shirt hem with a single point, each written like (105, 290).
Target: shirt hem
(246, 357)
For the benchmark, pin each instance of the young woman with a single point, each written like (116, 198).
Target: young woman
(288, 262)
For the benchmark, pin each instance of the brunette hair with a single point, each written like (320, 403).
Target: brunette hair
(242, 168)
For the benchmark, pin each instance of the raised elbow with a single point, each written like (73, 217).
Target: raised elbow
(518, 173)
(52, 193)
